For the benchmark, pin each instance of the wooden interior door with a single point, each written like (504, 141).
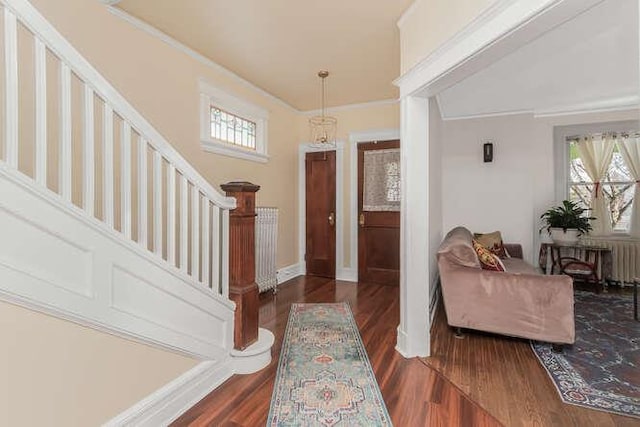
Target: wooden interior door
(378, 231)
(320, 172)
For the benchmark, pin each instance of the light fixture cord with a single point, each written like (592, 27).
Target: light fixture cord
(323, 91)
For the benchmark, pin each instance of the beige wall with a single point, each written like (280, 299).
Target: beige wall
(57, 373)
(79, 376)
(356, 119)
(162, 83)
(429, 23)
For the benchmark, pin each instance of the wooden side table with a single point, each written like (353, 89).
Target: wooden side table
(587, 263)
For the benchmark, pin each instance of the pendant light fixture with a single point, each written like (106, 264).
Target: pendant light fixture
(323, 127)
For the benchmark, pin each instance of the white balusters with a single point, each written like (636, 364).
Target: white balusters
(184, 222)
(195, 222)
(206, 260)
(125, 180)
(107, 165)
(142, 192)
(157, 203)
(65, 132)
(40, 66)
(11, 87)
(88, 152)
(171, 214)
(195, 232)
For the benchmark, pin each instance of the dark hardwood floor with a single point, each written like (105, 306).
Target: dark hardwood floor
(450, 388)
(503, 376)
(415, 394)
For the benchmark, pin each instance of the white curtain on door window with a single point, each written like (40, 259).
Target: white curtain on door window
(381, 186)
(596, 153)
(630, 150)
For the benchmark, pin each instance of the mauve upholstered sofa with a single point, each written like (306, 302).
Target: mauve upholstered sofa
(519, 302)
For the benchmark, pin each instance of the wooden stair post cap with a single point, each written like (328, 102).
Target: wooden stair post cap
(240, 187)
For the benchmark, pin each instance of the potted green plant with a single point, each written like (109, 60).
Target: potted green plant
(566, 223)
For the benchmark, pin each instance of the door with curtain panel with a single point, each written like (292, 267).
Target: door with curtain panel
(379, 212)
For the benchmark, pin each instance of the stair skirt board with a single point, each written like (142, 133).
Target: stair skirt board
(56, 260)
(169, 402)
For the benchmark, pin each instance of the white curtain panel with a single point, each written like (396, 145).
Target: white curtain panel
(381, 186)
(596, 153)
(630, 150)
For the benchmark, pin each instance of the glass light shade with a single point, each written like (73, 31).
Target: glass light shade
(323, 130)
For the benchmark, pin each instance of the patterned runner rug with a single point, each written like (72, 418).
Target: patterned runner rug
(602, 369)
(324, 375)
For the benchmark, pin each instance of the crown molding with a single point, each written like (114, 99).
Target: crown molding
(153, 31)
(600, 106)
(407, 13)
(503, 26)
(486, 16)
(624, 103)
(352, 106)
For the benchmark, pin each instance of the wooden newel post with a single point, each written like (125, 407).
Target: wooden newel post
(242, 266)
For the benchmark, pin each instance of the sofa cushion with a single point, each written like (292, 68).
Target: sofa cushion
(457, 245)
(519, 266)
(493, 242)
(488, 260)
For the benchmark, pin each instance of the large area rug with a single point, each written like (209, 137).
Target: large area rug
(324, 375)
(602, 369)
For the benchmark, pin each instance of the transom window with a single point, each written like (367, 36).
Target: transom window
(233, 129)
(231, 126)
(617, 182)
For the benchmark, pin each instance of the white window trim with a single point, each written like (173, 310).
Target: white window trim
(561, 153)
(212, 96)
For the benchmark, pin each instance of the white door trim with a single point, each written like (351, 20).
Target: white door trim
(356, 138)
(504, 30)
(501, 29)
(303, 149)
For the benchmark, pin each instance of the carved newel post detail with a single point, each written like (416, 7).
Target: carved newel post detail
(242, 267)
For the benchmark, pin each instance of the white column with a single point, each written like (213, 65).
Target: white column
(413, 331)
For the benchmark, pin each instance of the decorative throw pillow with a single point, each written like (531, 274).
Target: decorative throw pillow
(493, 242)
(488, 260)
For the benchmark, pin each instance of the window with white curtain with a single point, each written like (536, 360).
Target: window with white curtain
(612, 158)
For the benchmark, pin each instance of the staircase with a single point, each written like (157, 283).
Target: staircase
(102, 221)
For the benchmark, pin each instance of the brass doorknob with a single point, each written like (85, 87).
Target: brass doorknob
(332, 219)
(361, 220)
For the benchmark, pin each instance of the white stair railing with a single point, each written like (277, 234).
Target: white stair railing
(100, 156)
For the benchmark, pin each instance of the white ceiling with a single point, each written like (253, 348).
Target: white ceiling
(280, 45)
(590, 60)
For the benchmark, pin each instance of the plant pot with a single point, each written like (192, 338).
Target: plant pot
(564, 237)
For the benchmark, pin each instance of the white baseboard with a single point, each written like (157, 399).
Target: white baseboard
(401, 343)
(347, 274)
(289, 272)
(172, 400)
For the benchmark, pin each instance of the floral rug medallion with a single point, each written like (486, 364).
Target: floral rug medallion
(324, 375)
(601, 370)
